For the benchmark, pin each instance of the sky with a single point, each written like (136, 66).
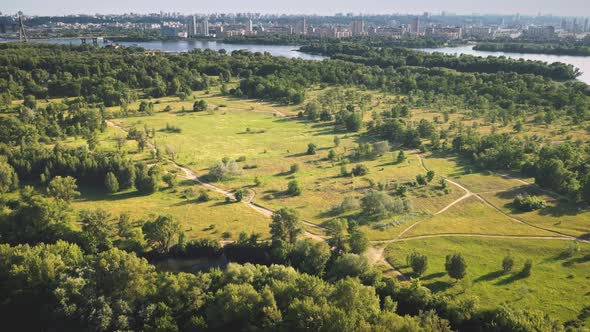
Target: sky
(322, 7)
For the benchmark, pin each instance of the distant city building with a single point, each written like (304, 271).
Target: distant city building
(415, 26)
(205, 27)
(192, 26)
(586, 25)
(479, 32)
(357, 28)
(249, 28)
(444, 33)
(546, 32)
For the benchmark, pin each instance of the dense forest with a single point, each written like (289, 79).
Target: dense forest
(368, 41)
(541, 48)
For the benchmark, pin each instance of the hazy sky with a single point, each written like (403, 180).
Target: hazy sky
(59, 7)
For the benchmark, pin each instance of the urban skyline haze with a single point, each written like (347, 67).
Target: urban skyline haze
(524, 7)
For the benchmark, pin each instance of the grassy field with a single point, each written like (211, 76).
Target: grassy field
(558, 284)
(199, 219)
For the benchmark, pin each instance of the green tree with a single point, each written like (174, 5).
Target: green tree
(64, 188)
(527, 268)
(418, 263)
(310, 256)
(111, 183)
(294, 188)
(285, 227)
(199, 106)
(311, 149)
(507, 264)
(8, 177)
(162, 233)
(401, 157)
(97, 229)
(358, 242)
(455, 266)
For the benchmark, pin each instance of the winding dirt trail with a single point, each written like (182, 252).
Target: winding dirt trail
(191, 175)
(376, 254)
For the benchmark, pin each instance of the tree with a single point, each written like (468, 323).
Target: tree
(199, 106)
(294, 168)
(378, 203)
(97, 229)
(332, 155)
(455, 266)
(63, 188)
(336, 141)
(310, 256)
(30, 101)
(358, 242)
(146, 181)
(284, 230)
(240, 194)
(8, 177)
(527, 268)
(293, 188)
(311, 149)
(224, 170)
(401, 157)
(380, 148)
(418, 263)
(111, 183)
(360, 170)
(162, 232)
(429, 176)
(507, 264)
(170, 179)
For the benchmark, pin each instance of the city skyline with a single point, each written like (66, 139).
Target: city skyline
(575, 8)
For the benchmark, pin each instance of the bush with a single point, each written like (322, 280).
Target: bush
(224, 170)
(507, 264)
(379, 203)
(348, 204)
(293, 188)
(526, 203)
(203, 196)
(360, 170)
(240, 194)
(311, 149)
(294, 168)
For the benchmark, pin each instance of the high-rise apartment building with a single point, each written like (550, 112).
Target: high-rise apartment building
(357, 28)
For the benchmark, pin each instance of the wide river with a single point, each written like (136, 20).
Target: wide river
(290, 51)
(581, 62)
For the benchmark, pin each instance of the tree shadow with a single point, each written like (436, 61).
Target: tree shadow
(490, 276)
(577, 260)
(439, 286)
(433, 276)
(512, 278)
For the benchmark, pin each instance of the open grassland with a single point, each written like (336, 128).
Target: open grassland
(471, 216)
(559, 284)
(214, 219)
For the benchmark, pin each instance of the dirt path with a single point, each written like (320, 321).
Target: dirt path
(191, 175)
(376, 256)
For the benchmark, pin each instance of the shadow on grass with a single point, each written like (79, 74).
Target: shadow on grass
(577, 260)
(93, 195)
(490, 276)
(512, 278)
(440, 286)
(433, 276)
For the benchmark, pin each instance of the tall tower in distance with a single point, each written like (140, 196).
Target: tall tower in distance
(250, 25)
(192, 26)
(357, 27)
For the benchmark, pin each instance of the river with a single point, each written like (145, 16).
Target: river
(289, 51)
(581, 62)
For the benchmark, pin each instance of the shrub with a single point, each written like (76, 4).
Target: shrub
(507, 264)
(526, 203)
(294, 168)
(379, 203)
(311, 149)
(360, 170)
(224, 170)
(240, 194)
(293, 188)
(203, 196)
(347, 204)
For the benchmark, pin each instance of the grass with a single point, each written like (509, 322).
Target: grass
(196, 217)
(471, 216)
(558, 284)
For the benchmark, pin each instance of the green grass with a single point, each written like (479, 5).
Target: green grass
(471, 216)
(196, 217)
(558, 285)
